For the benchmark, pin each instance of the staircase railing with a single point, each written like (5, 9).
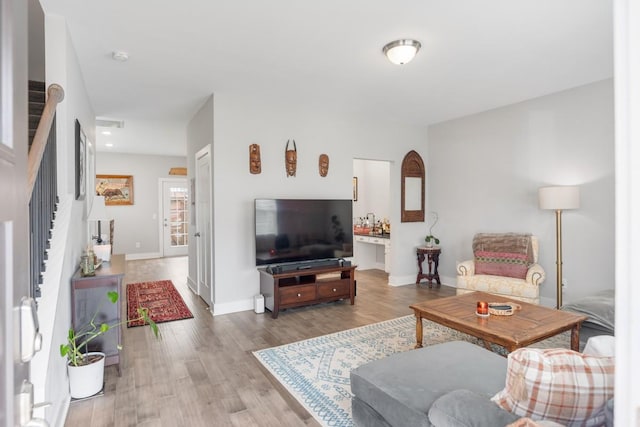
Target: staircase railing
(43, 187)
(56, 95)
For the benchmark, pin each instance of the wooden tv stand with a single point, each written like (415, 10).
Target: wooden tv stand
(306, 287)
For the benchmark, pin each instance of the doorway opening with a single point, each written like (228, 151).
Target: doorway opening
(175, 217)
(372, 210)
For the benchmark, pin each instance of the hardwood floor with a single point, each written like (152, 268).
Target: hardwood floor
(202, 372)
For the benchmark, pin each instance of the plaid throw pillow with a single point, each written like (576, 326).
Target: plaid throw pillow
(506, 264)
(557, 384)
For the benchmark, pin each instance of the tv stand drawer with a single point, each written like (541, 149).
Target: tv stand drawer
(295, 294)
(299, 288)
(339, 288)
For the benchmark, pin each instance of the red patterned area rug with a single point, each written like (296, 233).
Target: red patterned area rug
(161, 298)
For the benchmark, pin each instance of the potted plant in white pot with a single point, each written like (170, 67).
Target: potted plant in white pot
(430, 238)
(85, 368)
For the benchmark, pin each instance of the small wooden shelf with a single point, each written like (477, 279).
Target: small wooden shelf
(312, 286)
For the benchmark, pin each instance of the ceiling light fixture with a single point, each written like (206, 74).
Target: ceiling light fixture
(120, 56)
(401, 51)
(108, 145)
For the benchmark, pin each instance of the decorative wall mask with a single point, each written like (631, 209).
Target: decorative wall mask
(255, 165)
(291, 158)
(323, 164)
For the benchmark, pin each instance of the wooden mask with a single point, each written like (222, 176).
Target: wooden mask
(323, 164)
(291, 158)
(255, 165)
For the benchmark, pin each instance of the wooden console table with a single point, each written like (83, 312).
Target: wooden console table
(433, 258)
(90, 292)
(304, 287)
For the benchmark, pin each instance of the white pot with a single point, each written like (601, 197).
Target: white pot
(86, 380)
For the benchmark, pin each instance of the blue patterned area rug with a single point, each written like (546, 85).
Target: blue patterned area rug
(316, 371)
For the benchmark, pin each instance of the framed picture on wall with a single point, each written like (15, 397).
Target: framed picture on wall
(90, 171)
(355, 188)
(81, 147)
(116, 189)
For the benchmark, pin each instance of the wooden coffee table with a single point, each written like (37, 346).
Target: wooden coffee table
(530, 324)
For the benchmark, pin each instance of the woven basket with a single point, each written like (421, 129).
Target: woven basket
(499, 308)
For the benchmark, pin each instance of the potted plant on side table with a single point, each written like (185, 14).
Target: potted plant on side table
(85, 368)
(430, 238)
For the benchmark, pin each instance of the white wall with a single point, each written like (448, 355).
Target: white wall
(48, 368)
(627, 107)
(137, 223)
(240, 122)
(484, 171)
(199, 135)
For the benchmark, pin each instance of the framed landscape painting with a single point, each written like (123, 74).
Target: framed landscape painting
(116, 189)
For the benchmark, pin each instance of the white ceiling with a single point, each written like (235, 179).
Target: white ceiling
(476, 55)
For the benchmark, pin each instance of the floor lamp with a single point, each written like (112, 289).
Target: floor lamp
(559, 199)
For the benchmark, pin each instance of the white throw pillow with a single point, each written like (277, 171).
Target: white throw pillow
(601, 346)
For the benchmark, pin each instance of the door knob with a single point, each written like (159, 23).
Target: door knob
(197, 234)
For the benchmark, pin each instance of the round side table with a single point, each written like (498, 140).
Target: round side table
(433, 258)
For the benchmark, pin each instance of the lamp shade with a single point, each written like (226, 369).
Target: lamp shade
(559, 197)
(98, 210)
(401, 51)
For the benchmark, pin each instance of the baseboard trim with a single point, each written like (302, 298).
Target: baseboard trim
(232, 307)
(192, 285)
(62, 415)
(411, 280)
(449, 281)
(148, 255)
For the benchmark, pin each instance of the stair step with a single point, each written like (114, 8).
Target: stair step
(37, 86)
(33, 121)
(36, 108)
(37, 97)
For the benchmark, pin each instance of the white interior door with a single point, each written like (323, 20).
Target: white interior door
(15, 317)
(203, 225)
(175, 217)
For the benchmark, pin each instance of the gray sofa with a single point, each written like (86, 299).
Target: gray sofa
(451, 384)
(443, 385)
(447, 384)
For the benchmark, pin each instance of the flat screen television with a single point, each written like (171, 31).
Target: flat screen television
(300, 230)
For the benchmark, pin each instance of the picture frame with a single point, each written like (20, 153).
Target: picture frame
(90, 172)
(116, 189)
(80, 161)
(355, 188)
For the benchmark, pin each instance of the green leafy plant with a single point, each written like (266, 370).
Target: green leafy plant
(78, 339)
(430, 237)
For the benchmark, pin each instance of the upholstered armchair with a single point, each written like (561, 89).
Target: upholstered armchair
(504, 264)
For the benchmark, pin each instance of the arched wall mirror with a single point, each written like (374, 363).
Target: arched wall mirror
(412, 181)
